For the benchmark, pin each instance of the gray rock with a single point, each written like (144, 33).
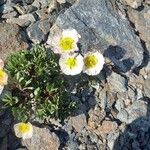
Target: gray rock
(23, 1)
(102, 28)
(136, 110)
(42, 13)
(134, 3)
(9, 15)
(11, 39)
(111, 139)
(123, 115)
(116, 83)
(23, 20)
(52, 6)
(119, 104)
(2, 2)
(102, 98)
(41, 4)
(141, 20)
(147, 2)
(71, 1)
(38, 31)
(147, 87)
(6, 9)
(78, 122)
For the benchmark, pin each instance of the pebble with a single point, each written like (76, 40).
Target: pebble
(23, 20)
(116, 83)
(9, 15)
(122, 115)
(107, 127)
(6, 9)
(78, 122)
(38, 31)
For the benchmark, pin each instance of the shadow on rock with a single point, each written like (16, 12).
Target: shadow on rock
(1, 9)
(117, 55)
(136, 135)
(8, 141)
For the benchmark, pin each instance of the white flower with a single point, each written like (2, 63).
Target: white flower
(1, 64)
(1, 89)
(71, 64)
(93, 63)
(23, 130)
(66, 42)
(3, 77)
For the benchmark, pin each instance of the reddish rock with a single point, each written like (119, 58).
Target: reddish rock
(12, 39)
(42, 139)
(107, 127)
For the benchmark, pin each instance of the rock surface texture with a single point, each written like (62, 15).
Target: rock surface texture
(42, 139)
(102, 28)
(114, 108)
(11, 39)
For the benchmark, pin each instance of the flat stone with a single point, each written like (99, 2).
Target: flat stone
(42, 139)
(23, 20)
(147, 2)
(102, 98)
(96, 116)
(6, 9)
(52, 6)
(107, 127)
(71, 1)
(116, 83)
(133, 112)
(78, 122)
(119, 104)
(61, 1)
(123, 115)
(111, 139)
(11, 39)
(42, 13)
(103, 29)
(136, 110)
(134, 3)
(9, 15)
(141, 19)
(2, 2)
(38, 31)
(41, 4)
(147, 87)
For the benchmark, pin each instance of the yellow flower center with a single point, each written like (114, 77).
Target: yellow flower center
(66, 43)
(3, 77)
(90, 61)
(71, 63)
(24, 127)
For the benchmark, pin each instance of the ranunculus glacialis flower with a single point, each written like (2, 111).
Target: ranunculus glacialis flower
(65, 42)
(3, 76)
(23, 130)
(71, 64)
(1, 64)
(93, 63)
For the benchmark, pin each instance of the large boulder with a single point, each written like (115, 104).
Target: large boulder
(42, 139)
(102, 28)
